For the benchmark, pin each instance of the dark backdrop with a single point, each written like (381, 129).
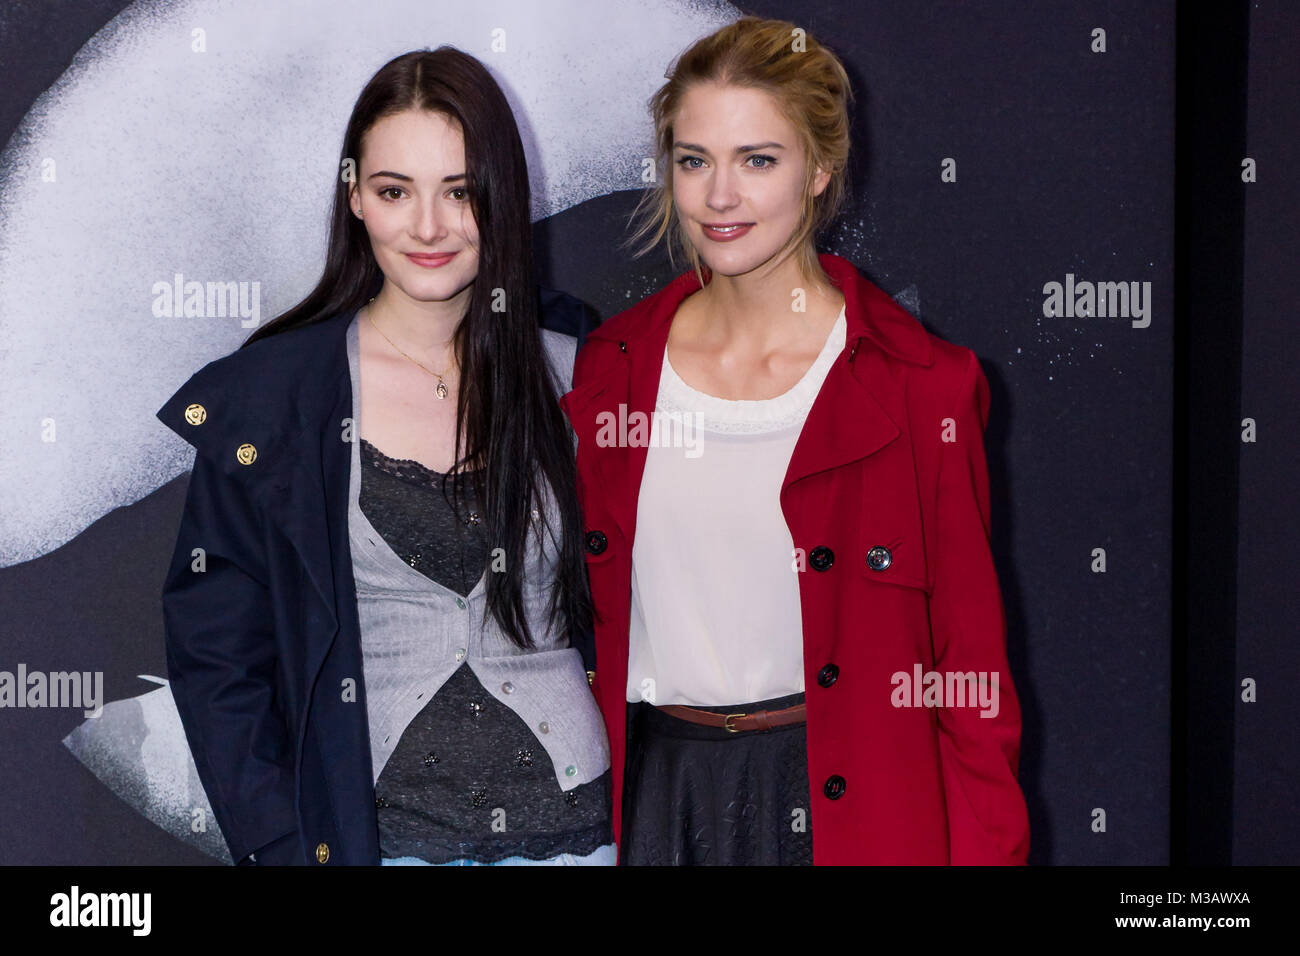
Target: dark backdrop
(1101, 435)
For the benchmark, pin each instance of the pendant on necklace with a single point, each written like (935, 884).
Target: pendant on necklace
(442, 389)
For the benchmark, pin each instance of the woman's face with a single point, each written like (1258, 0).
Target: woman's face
(739, 176)
(412, 197)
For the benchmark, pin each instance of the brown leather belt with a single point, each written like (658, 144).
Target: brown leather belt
(759, 720)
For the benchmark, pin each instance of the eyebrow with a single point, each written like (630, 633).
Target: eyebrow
(407, 179)
(695, 147)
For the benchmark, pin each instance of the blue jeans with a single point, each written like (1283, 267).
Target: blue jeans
(602, 856)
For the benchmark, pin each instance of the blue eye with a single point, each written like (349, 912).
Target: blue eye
(685, 162)
(766, 161)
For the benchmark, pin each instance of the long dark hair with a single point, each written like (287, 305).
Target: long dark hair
(506, 410)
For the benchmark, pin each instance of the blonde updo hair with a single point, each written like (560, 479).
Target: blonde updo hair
(812, 91)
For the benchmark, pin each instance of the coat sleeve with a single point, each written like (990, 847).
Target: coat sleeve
(987, 818)
(221, 663)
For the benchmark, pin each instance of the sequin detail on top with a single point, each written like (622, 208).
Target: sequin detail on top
(489, 794)
(420, 525)
(464, 750)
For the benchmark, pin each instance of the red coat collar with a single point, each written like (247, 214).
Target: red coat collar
(869, 312)
(858, 411)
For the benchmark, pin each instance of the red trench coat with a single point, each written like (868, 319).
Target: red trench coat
(891, 456)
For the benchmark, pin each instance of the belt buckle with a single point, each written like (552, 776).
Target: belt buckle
(727, 723)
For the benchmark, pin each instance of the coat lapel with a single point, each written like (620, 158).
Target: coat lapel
(316, 484)
(617, 397)
(645, 365)
(847, 422)
(584, 407)
(830, 438)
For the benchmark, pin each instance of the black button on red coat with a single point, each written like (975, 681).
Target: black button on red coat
(821, 557)
(828, 675)
(834, 788)
(596, 542)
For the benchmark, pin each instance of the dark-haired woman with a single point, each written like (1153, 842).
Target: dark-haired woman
(378, 573)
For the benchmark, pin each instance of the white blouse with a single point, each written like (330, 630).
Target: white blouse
(715, 597)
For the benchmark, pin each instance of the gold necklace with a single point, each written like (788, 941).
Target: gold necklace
(441, 390)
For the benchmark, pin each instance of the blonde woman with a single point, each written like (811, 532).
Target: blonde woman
(784, 493)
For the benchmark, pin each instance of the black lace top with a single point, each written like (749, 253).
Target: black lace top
(411, 507)
(465, 751)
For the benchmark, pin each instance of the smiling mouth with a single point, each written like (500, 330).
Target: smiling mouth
(430, 258)
(725, 231)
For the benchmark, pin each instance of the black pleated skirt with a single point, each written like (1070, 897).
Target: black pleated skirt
(704, 796)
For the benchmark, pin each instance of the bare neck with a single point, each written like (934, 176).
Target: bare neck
(758, 306)
(423, 330)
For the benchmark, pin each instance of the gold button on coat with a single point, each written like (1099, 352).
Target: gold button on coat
(322, 852)
(194, 414)
(246, 454)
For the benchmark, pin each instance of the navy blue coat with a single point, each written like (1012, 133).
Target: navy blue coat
(260, 642)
